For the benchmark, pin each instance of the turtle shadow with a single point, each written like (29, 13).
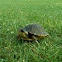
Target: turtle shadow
(21, 41)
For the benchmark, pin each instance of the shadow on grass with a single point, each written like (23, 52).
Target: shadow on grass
(21, 41)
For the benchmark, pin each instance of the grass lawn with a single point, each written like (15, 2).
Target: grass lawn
(15, 14)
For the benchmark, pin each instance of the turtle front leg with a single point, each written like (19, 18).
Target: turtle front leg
(35, 40)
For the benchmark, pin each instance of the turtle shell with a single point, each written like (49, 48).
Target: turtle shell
(35, 29)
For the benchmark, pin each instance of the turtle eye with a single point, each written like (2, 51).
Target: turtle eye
(22, 30)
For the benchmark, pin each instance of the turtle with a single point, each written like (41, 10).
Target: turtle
(32, 32)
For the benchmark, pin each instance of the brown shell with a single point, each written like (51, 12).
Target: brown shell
(36, 30)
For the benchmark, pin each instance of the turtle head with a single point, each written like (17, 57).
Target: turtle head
(22, 33)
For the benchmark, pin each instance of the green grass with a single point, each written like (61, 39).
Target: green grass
(17, 14)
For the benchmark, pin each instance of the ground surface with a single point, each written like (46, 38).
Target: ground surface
(19, 13)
